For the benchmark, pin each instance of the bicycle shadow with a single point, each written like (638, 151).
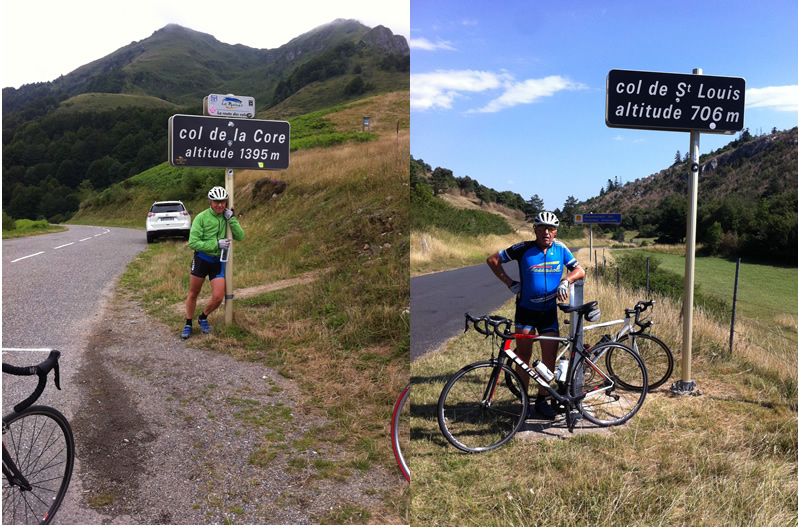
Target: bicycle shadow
(536, 427)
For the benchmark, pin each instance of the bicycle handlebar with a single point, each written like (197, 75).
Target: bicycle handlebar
(41, 369)
(639, 308)
(491, 324)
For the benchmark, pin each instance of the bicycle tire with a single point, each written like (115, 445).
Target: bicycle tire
(400, 430)
(604, 401)
(41, 444)
(474, 426)
(656, 356)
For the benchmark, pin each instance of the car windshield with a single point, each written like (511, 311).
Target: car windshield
(167, 207)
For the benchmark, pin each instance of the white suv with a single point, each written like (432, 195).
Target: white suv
(168, 218)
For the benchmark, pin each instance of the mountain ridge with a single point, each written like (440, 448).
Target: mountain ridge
(181, 65)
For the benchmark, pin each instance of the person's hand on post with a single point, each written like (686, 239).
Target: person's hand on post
(229, 213)
(224, 243)
(562, 290)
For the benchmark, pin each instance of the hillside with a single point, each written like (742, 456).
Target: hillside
(752, 168)
(334, 227)
(751, 181)
(107, 121)
(181, 66)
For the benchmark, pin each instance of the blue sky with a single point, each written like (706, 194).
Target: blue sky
(512, 93)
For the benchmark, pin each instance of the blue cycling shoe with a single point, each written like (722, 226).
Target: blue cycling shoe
(186, 332)
(544, 409)
(206, 328)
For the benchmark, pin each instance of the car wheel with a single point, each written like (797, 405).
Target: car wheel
(150, 237)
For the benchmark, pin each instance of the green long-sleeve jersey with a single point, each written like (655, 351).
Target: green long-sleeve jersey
(208, 228)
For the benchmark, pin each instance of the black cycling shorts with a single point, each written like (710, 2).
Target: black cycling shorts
(203, 268)
(542, 321)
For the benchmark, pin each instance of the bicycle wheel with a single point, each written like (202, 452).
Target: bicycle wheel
(400, 431)
(479, 412)
(655, 354)
(40, 443)
(607, 402)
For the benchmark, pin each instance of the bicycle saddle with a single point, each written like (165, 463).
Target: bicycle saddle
(583, 309)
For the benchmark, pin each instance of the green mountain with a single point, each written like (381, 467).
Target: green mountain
(107, 120)
(182, 66)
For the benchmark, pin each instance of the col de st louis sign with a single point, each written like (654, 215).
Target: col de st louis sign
(675, 102)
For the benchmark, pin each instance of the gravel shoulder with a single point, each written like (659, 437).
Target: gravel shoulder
(171, 434)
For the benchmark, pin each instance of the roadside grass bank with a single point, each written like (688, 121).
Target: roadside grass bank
(24, 228)
(765, 292)
(433, 250)
(340, 212)
(344, 338)
(727, 457)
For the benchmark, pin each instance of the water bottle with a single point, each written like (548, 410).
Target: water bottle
(223, 256)
(543, 371)
(562, 370)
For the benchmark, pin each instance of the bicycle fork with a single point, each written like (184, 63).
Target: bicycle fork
(12, 473)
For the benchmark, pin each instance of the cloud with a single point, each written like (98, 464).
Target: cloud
(530, 91)
(779, 98)
(439, 89)
(424, 44)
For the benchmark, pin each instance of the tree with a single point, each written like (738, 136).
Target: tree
(673, 219)
(713, 237)
(533, 206)
(440, 180)
(568, 211)
(678, 157)
(355, 87)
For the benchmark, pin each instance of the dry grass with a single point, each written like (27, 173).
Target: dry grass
(727, 457)
(343, 337)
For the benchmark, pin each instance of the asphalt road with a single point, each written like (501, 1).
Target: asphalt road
(54, 289)
(438, 302)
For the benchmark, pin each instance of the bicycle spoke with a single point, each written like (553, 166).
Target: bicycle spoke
(607, 401)
(478, 411)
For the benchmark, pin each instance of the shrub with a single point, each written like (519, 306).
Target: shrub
(8, 222)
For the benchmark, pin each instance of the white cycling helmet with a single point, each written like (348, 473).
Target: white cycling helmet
(546, 218)
(217, 194)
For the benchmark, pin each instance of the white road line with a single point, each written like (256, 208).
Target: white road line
(65, 245)
(28, 349)
(84, 239)
(29, 256)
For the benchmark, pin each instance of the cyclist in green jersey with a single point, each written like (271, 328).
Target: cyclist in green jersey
(207, 238)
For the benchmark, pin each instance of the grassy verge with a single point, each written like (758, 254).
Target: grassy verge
(434, 250)
(25, 228)
(727, 457)
(344, 338)
(764, 291)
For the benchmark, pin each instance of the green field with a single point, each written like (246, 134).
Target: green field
(764, 291)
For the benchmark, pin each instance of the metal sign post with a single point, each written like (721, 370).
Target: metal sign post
(591, 219)
(680, 103)
(229, 183)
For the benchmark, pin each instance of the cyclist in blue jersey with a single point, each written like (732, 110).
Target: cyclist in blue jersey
(541, 264)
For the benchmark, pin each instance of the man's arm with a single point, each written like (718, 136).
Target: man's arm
(495, 264)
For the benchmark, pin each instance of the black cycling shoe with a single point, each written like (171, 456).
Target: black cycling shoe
(544, 409)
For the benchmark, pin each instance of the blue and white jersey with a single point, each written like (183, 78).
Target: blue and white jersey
(540, 271)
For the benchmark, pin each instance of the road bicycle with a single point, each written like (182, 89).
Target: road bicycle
(656, 355)
(38, 452)
(400, 430)
(477, 412)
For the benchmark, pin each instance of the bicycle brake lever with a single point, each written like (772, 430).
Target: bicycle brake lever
(57, 376)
